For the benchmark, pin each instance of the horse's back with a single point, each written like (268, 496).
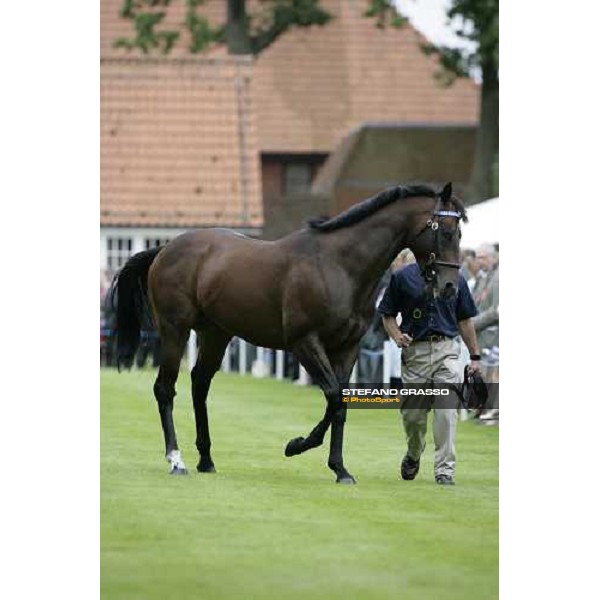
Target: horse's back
(269, 293)
(229, 278)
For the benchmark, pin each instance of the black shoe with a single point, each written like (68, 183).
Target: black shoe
(444, 480)
(409, 468)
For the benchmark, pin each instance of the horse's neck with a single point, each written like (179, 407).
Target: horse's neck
(365, 250)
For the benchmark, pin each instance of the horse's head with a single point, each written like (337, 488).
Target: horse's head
(436, 243)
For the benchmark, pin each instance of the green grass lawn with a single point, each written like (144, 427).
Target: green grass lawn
(266, 526)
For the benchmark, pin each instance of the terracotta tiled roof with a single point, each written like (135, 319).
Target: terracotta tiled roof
(379, 155)
(181, 136)
(178, 143)
(314, 85)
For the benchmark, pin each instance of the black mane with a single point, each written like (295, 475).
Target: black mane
(367, 207)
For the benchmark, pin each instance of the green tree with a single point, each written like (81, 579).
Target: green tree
(244, 33)
(145, 21)
(478, 23)
(252, 34)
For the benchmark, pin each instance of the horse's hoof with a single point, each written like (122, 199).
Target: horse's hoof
(178, 471)
(294, 446)
(206, 468)
(346, 479)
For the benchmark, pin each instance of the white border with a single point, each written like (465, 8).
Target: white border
(49, 300)
(549, 214)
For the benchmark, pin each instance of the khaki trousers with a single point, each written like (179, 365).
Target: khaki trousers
(432, 362)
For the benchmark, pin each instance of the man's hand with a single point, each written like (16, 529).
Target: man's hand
(403, 340)
(475, 367)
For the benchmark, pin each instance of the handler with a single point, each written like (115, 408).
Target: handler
(428, 335)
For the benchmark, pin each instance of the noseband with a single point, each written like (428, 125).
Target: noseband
(429, 270)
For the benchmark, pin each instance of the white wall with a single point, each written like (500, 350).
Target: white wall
(138, 235)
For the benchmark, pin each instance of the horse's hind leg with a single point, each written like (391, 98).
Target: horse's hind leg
(213, 342)
(173, 342)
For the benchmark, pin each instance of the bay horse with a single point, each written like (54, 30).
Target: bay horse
(311, 292)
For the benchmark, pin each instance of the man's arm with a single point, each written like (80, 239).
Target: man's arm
(490, 316)
(389, 308)
(402, 340)
(466, 329)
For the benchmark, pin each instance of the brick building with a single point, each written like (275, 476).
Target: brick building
(190, 141)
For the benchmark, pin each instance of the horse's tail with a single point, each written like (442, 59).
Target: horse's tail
(128, 295)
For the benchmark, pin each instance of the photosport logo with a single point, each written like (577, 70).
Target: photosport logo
(417, 395)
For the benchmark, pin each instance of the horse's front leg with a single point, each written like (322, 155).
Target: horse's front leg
(314, 439)
(312, 355)
(336, 459)
(343, 363)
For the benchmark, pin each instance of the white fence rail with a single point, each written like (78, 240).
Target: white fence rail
(266, 358)
(262, 365)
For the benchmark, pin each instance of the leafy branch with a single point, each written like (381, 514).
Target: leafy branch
(283, 15)
(477, 22)
(146, 37)
(243, 33)
(201, 33)
(385, 13)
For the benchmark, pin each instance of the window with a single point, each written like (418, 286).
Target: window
(118, 250)
(155, 242)
(297, 177)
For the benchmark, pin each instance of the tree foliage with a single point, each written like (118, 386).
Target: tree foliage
(146, 38)
(281, 15)
(385, 13)
(477, 22)
(244, 33)
(202, 35)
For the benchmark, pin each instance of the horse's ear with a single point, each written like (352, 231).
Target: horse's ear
(446, 193)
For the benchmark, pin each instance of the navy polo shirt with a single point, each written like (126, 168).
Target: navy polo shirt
(423, 315)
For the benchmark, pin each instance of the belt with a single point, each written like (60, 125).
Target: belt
(434, 337)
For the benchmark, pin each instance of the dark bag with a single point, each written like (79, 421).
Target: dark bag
(474, 391)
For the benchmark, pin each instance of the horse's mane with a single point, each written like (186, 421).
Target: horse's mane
(367, 207)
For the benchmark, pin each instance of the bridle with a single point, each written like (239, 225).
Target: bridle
(428, 270)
